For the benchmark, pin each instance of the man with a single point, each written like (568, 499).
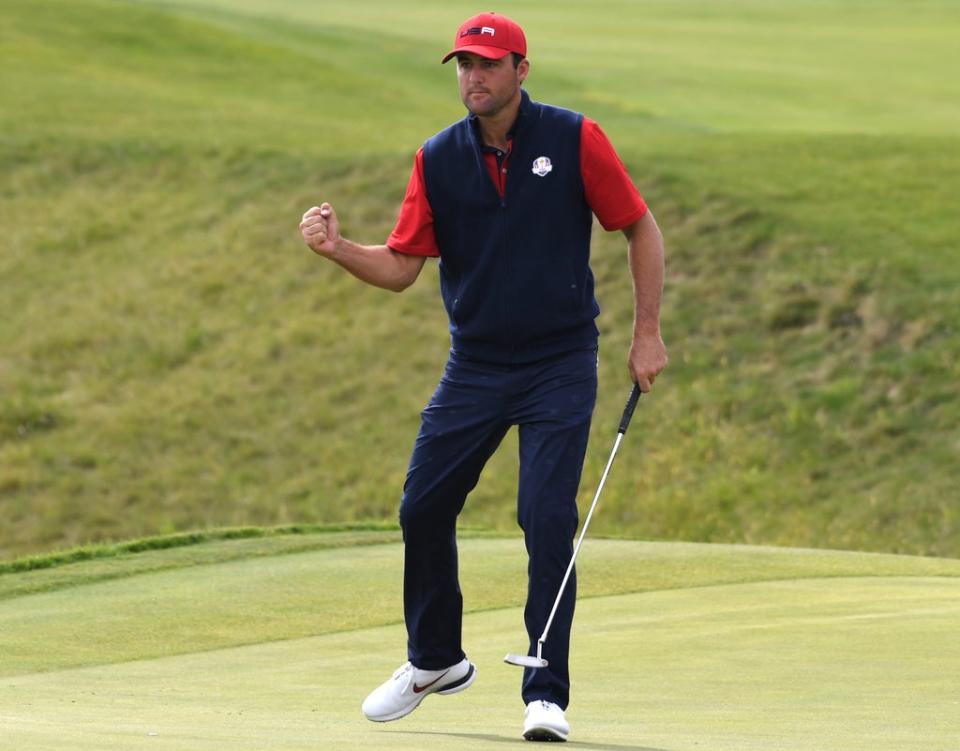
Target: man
(505, 198)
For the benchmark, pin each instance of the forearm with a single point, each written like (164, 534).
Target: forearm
(648, 355)
(377, 264)
(645, 250)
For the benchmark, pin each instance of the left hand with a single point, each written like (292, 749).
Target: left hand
(648, 356)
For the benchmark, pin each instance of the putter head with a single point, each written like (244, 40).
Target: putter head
(525, 661)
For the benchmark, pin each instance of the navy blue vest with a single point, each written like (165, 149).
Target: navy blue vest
(514, 272)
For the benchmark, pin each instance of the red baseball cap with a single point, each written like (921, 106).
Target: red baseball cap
(489, 35)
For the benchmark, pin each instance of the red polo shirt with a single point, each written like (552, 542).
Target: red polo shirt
(610, 192)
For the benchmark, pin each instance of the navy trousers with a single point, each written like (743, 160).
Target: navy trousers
(551, 401)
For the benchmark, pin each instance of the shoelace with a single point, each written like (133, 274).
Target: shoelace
(407, 668)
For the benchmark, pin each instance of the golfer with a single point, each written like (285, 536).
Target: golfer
(505, 198)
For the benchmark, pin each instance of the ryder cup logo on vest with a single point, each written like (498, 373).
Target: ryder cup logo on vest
(542, 165)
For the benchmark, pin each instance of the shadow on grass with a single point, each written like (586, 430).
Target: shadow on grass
(518, 739)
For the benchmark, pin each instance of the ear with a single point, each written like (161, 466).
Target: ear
(523, 69)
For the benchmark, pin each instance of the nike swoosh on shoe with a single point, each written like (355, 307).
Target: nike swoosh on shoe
(417, 689)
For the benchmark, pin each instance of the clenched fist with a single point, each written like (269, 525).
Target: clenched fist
(321, 230)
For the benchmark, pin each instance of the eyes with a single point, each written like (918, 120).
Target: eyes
(466, 64)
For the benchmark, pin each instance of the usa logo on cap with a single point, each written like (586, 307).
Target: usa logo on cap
(489, 35)
(542, 165)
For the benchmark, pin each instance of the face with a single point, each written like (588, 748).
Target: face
(487, 86)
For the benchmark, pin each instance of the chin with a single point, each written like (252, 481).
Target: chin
(481, 110)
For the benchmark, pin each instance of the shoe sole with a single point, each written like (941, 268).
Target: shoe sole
(544, 734)
(451, 688)
(461, 684)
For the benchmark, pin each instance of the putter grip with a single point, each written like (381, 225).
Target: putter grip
(628, 410)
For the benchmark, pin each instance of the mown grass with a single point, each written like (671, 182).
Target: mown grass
(173, 358)
(647, 671)
(276, 639)
(226, 592)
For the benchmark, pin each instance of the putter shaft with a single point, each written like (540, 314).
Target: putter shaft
(624, 424)
(576, 550)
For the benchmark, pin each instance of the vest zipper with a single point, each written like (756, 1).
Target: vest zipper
(505, 285)
(509, 260)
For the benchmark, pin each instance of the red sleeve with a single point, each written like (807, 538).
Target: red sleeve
(611, 194)
(413, 233)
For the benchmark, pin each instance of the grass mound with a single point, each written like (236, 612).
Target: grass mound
(174, 359)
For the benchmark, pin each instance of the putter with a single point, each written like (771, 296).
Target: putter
(529, 661)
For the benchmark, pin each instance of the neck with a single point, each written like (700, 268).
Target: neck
(494, 128)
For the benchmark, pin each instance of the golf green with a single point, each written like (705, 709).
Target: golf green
(728, 648)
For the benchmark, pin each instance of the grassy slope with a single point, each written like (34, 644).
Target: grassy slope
(172, 358)
(254, 643)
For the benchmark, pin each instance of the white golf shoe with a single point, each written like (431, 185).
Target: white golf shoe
(544, 721)
(409, 686)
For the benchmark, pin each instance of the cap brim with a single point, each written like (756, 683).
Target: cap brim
(491, 53)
